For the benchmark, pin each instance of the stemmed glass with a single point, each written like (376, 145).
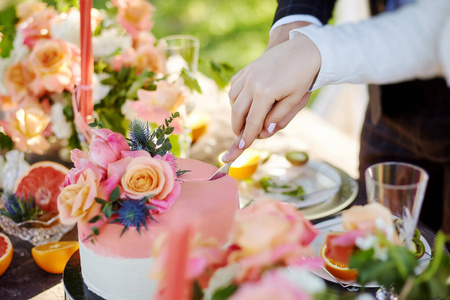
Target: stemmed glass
(401, 188)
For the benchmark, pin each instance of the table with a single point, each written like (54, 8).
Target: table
(25, 280)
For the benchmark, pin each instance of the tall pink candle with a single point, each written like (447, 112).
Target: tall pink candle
(85, 103)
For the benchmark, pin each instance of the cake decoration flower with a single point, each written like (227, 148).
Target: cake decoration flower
(121, 180)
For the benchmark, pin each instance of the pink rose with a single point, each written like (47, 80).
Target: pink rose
(106, 147)
(77, 200)
(56, 64)
(134, 15)
(146, 57)
(272, 286)
(81, 162)
(152, 114)
(269, 233)
(166, 95)
(39, 25)
(26, 123)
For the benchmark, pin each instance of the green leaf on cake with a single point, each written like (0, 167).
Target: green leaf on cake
(115, 194)
(224, 293)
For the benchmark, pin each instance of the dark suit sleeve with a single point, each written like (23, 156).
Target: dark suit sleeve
(321, 9)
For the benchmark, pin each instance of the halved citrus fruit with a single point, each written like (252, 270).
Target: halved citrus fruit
(245, 165)
(198, 122)
(42, 181)
(53, 257)
(6, 253)
(336, 268)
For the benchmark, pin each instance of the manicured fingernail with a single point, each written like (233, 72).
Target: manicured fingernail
(225, 156)
(241, 144)
(271, 127)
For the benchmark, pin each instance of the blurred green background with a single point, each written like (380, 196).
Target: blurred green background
(231, 31)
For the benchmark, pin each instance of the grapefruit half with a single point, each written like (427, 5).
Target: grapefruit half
(6, 253)
(42, 181)
(337, 268)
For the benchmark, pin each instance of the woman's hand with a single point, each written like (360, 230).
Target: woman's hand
(267, 94)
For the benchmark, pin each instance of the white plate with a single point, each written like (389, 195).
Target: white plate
(336, 225)
(327, 189)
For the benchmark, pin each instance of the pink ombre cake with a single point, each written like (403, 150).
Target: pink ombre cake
(116, 267)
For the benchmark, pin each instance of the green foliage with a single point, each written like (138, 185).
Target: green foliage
(224, 292)
(8, 20)
(20, 209)
(221, 73)
(6, 142)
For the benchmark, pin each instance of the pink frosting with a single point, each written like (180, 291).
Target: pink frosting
(209, 205)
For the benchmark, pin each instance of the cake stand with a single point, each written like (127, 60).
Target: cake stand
(74, 286)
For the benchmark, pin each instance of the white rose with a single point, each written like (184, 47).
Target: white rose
(68, 29)
(99, 90)
(304, 279)
(109, 41)
(60, 127)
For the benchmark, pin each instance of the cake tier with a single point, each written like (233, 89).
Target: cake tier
(117, 266)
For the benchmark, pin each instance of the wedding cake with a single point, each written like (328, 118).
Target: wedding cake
(122, 196)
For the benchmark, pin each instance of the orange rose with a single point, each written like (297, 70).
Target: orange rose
(56, 63)
(25, 125)
(17, 78)
(28, 8)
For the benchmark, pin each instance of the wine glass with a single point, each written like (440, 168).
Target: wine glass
(401, 188)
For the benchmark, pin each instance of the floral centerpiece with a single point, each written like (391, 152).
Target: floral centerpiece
(267, 237)
(40, 70)
(119, 180)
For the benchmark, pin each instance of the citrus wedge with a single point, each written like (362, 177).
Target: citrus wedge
(245, 165)
(198, 122)
(42, 181)
(6, 253)
(337, 268)
(53, 257)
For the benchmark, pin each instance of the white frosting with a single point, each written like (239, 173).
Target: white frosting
(117, 278)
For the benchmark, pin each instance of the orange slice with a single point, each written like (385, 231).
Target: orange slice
(42, 180)
(198, 122)
(245, 165)
(53, 257)
(337, 268)
(6, 253)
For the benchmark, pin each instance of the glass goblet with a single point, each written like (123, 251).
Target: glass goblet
(401, 188)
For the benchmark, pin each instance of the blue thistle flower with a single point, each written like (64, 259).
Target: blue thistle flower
(139, 135)
(134, 213)
(20, 209)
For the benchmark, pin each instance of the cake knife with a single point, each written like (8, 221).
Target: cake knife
(222, 171)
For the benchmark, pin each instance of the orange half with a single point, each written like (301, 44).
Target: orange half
(337, 268)
(6, 253)
(53, 257)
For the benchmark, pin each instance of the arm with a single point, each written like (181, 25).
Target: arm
(389, 48)
(268, 93)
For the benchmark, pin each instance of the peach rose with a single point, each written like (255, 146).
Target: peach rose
(145, 176)
(76, 200)
(134, 15)
(147, 57)
(26, 123)
(365, 217)
(17, 78)
(56, 64)
(268, 233)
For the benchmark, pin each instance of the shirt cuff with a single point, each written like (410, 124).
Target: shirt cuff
(296, 18)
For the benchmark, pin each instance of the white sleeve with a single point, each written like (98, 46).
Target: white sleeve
(296, 18)
(389, 48)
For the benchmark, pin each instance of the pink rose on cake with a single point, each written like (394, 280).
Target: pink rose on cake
(269, 233)
(119, 181)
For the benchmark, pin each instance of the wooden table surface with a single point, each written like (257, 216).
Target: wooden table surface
(25, 280)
